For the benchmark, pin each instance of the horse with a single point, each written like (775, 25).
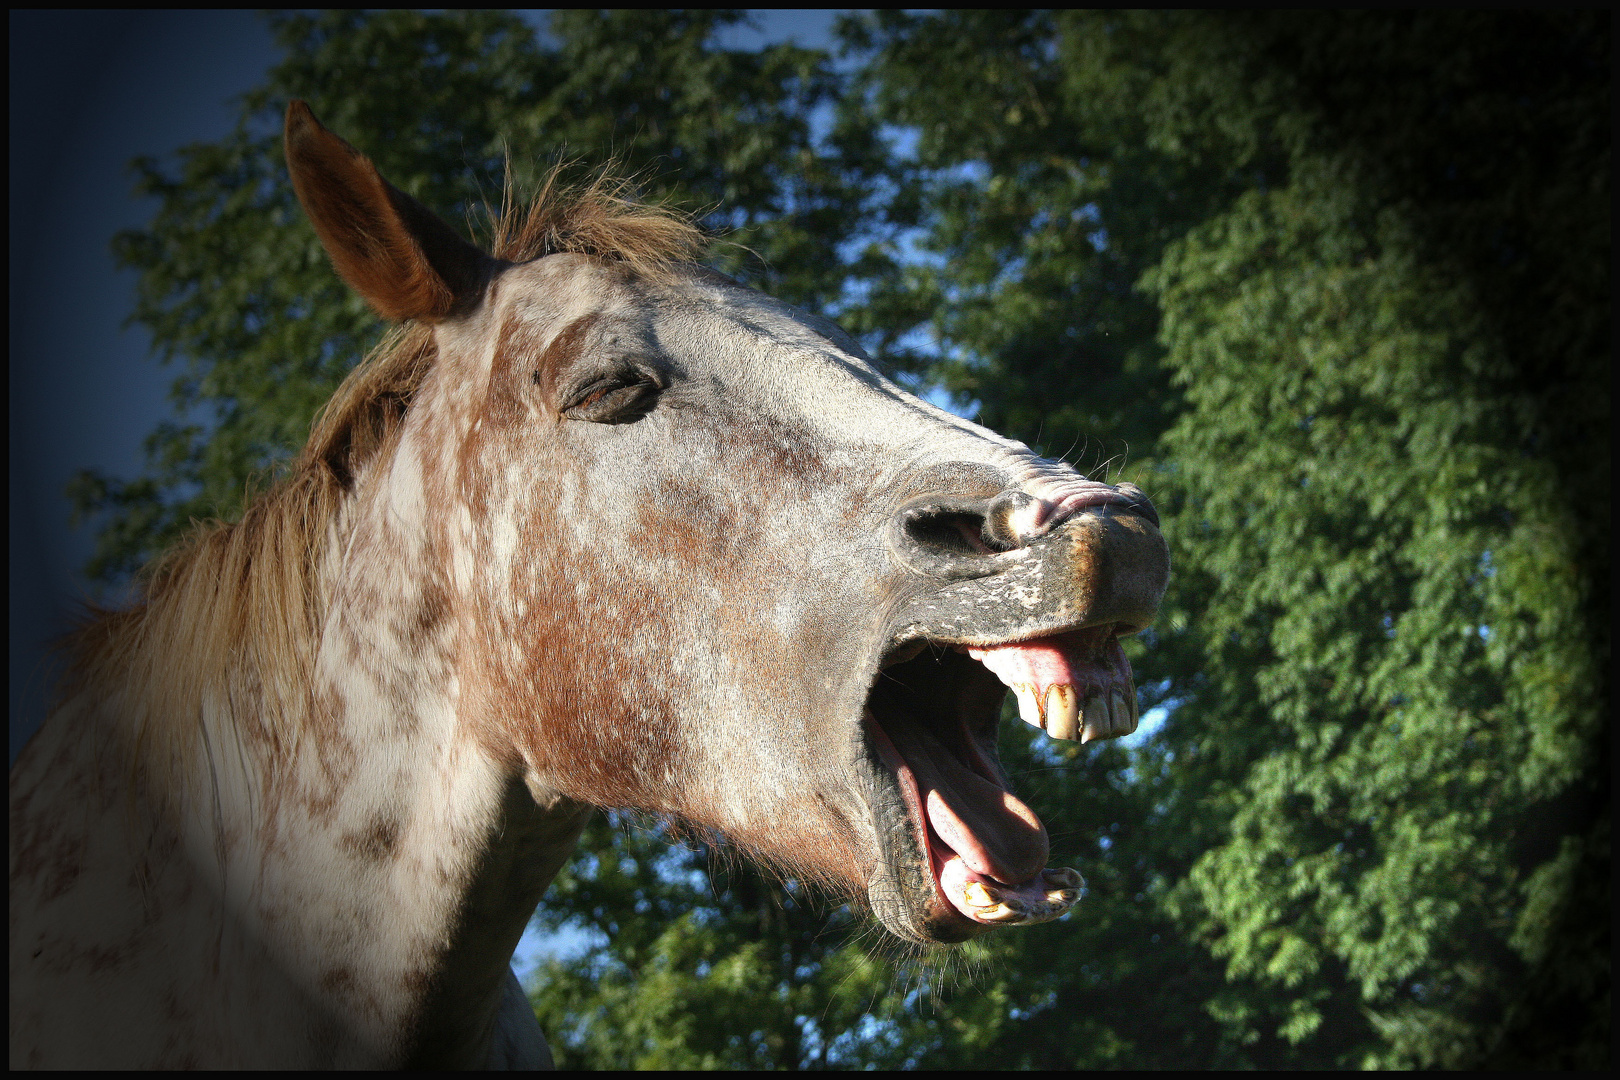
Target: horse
(594, 527)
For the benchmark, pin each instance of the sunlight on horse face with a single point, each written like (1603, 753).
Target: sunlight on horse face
(599, 528)
(688, 552)
(682, 605)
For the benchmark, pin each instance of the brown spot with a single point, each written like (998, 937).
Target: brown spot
(103, 959)
(564, 349)
(688, 521)
(338, 980)
(561, 354)
(45, 851)
(791, 455)
(427, 617)
(418, 981)
(377, 842)
(523, 361)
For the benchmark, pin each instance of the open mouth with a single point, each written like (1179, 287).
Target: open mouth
(977, 855)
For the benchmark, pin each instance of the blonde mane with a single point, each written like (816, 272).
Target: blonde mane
(226, 628)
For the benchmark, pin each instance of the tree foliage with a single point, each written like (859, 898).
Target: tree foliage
(1332, 287)
(1312, 258)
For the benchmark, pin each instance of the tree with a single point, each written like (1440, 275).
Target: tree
(1385, 644)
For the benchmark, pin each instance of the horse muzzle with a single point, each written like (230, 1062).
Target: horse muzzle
(1106, 563)
(1025, 598)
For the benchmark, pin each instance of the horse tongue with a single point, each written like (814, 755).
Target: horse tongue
(995, 834)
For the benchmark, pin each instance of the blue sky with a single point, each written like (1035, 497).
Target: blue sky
(90, 91)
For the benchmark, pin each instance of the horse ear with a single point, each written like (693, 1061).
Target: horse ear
(391, 249)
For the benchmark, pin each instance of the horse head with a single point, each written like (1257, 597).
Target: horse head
(680, 548)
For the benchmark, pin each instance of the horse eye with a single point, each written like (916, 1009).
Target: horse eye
(613, 401)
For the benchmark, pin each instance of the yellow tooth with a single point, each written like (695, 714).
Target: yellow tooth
(977, 895)
(1095, 723)
(1062, 713)
(1003, 913)
(1028, 707)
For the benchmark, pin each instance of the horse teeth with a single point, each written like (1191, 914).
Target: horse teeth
(1062, 712)
(1063, 877)
(1094, 719)
(976, 894)
(1004, 913)
(991, 908)
(1029, 709)
(1124, 714)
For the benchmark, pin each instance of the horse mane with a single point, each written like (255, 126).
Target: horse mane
(219, 647)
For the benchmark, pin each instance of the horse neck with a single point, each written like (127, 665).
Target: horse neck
(412, 851)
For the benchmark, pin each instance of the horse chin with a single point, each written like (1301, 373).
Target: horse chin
(959, 853)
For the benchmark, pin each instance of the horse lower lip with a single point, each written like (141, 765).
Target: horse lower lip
(1042, 898)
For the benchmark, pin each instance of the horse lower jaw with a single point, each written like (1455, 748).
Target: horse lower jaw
(963, 878)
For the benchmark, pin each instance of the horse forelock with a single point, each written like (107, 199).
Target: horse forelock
(600, 218)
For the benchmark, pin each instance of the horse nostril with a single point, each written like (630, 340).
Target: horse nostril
(946, 530)
(943, 536)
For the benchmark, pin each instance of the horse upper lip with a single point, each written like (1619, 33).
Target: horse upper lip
(1092, 570)
(1128, 496)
